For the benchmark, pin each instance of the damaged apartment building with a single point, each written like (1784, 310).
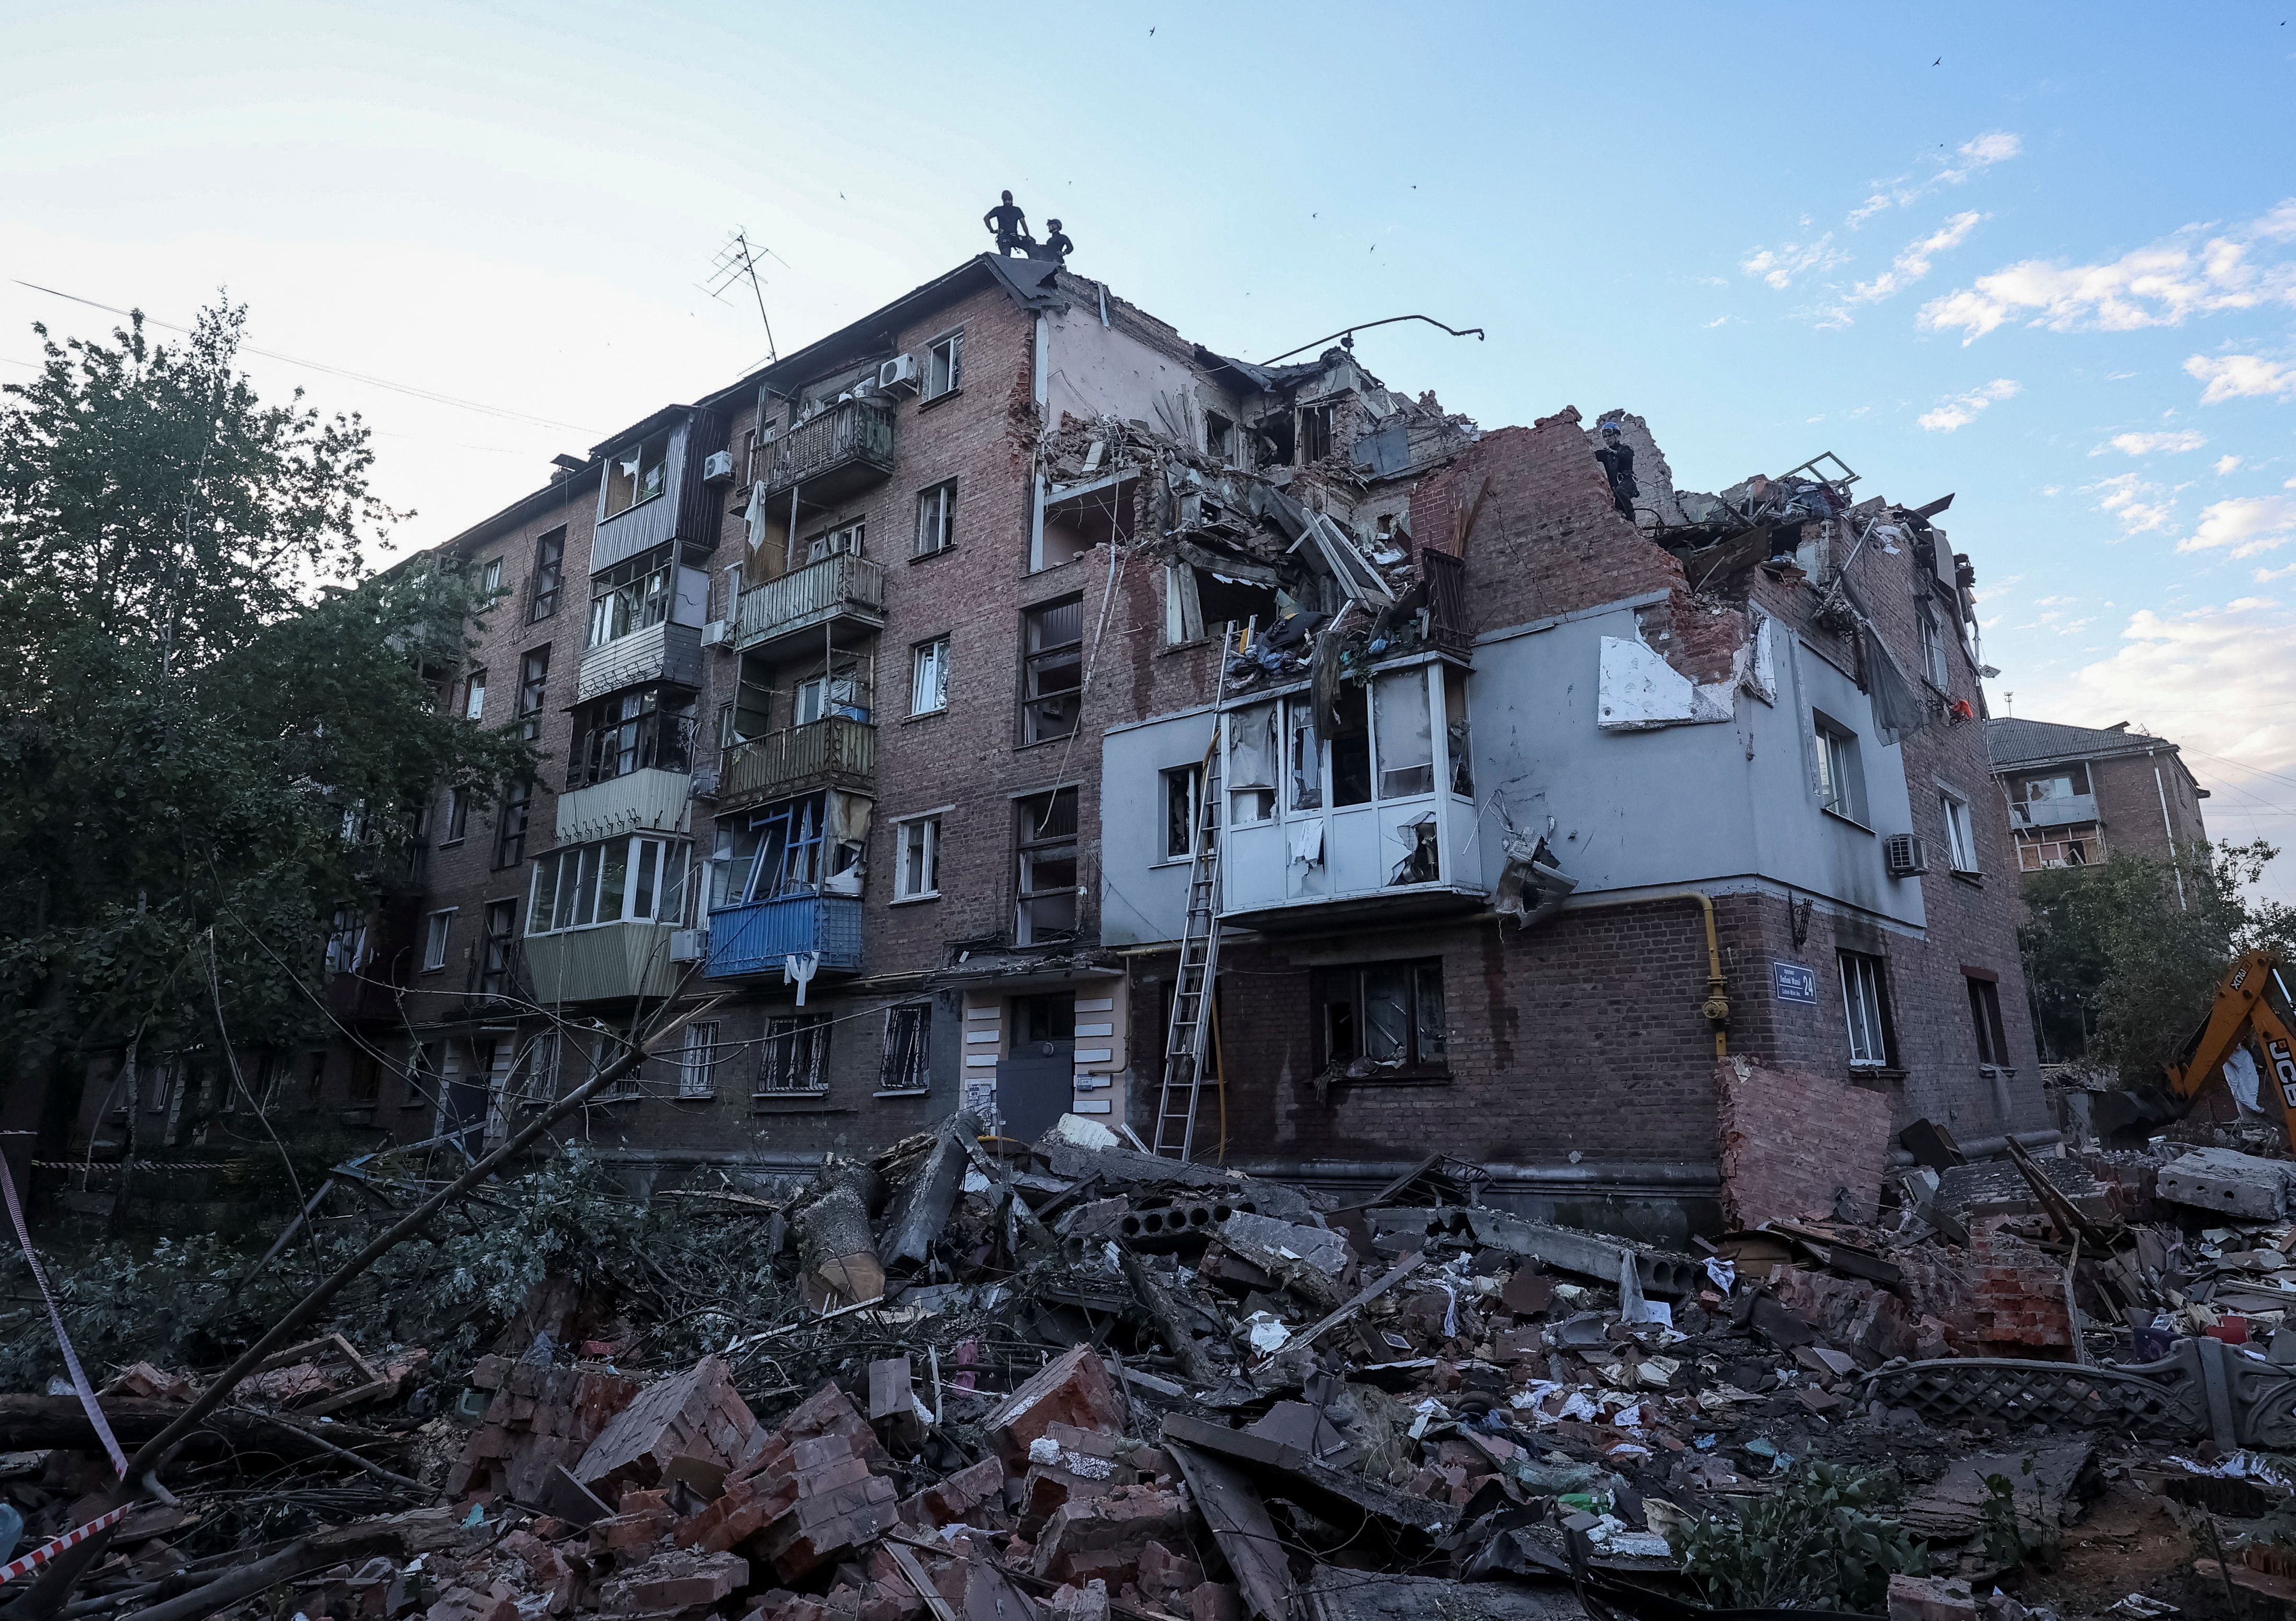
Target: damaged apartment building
(1004, 702)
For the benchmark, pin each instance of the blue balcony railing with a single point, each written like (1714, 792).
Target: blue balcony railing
(756, 938)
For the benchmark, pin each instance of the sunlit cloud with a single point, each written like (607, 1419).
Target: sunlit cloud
(2240, 377)
(1962, 409)
(2149, 444)
(2246, 525)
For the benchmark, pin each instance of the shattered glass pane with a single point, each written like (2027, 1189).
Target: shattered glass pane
(1387, 1013)
(1407, 738)
(1305, 755)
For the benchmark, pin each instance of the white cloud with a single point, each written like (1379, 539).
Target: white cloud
(2054, 602)
(2239, 377)
(2160, 284)
(1972, 158)
(1960, 410)
(1911, 264)
(2248, 524)
(1780, 265)
(2140, 506)
(1717, 321)
(2266, 576)
(2146, 444)
(2225, 463)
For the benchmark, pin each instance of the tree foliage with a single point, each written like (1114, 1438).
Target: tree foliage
(1815, 1542)
(2124, 956)
(216, 719)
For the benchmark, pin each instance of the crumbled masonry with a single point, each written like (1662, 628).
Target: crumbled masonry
(1053, 1403)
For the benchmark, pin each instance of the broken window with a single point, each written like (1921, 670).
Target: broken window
(1351, 748)
(510, 823)
(2060, 785)
(650, 729)
(1865, 1009)
(498, 947)
(945, 365)
(937, 518)
(1053, 671)
(810, 845)
(437, 928)
(1251, 765)
(917, 874)
(1422, 861)
(1406, 737)
(1985, 1015)
(426, 1069)
(844, 690)
(1074, 523)
(490, 576)
(1841, 775)
(637, 475)
(791, 1057)
(838, 540)
(1304, 754)
(1960, 832)
(632, 595)
(1934, 668)
(1383, 1016)
(458, 815)
(1315, 433)
(1184, 787)
(1184, 614)
(1276, 438)
(474, 696)
(697, 1061)
(928, 676)
(1457, 738)
(640, 879)
(1219, 438)
(750, 712)
(533, 689)
(1048, 890)
(549, 573)
(907, 1063)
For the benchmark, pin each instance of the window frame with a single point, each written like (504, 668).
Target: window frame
(1318, 424)
(1841, 786)
(533, 690)
(1353, 979)
(646, 587)
(1985, 1019)
(933, 651)
(905, 1067)
(936, 507)
(548, 579)
(1936, 667)
(458, 817)
(498, 947)
(922, 832)
(653, 888)
(1190, 779)
(847, 538)
(490, 574)
(1035, 660)
(474, 694)
(1866, 1002)
(697, 1061)
(952, 341)
(792, 1042)
(1960, 833)
(659, 736)
(659, 438)
(424, 1080)
(438, 931)
(1046, 848)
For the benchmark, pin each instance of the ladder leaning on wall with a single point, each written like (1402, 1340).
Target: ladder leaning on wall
(1187, 1033)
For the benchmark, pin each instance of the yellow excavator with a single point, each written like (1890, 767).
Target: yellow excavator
(2245, 1012)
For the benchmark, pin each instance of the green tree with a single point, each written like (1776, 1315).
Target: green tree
(219, 723)
(2124, 956)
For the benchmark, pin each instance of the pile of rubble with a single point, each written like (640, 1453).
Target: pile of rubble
(1072, 1381)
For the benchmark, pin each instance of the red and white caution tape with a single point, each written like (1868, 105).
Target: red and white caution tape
(63, 1341)
(72, 1538)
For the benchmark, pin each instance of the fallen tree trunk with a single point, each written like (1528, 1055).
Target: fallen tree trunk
(313, 1552)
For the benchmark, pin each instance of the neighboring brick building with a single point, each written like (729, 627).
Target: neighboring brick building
(2078, 794)
(874, 693)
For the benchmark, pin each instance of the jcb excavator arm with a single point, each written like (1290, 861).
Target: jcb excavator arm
(2242, 1008)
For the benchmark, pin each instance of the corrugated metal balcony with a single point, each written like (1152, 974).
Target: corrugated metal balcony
(844, 449)
(835, 753)
(844, 593)
(760, 937)
(2065, 810)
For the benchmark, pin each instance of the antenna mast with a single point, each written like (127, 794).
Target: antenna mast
(737, 262)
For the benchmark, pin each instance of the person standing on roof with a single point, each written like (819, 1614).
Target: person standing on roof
(1617, 459)
(1010, 227)
(1056, 245)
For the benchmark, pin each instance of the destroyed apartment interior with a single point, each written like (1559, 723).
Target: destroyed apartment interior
(1142, 986)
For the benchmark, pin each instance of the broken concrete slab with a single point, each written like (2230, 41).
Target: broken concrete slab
(2047, 1486)
(2230, 1183)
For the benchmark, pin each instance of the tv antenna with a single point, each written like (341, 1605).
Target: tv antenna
(736, 263)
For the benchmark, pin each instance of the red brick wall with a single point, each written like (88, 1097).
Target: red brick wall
(1791, 1141)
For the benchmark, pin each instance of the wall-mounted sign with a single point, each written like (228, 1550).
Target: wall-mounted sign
(1794, 982)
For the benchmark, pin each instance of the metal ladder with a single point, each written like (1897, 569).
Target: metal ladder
(1193, 985)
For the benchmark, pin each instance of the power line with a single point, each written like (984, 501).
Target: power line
(431, 395)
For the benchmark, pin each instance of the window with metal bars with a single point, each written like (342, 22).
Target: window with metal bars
(792, 1061)
(907, 1063)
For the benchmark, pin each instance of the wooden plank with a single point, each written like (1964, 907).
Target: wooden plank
(1363, 1297)
(915, 1575)
(1239, 1522)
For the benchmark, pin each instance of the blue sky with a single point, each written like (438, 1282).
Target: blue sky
(2044, 258)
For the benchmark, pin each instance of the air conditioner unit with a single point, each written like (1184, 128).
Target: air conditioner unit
(1905, 856)
(718, 633)
(717, 466)
(898, 376)
(688, 945)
